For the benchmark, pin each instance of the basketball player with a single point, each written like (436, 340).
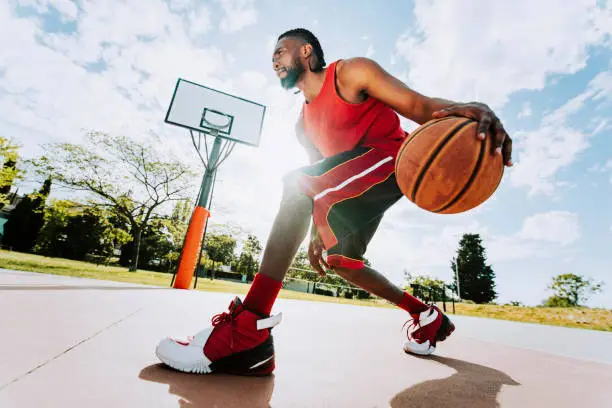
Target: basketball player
(350, 128)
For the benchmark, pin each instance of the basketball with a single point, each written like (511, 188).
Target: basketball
(442, 167)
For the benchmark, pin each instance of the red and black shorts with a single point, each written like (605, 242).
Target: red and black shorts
(350, 191)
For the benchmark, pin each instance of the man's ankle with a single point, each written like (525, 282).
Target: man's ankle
(411, 304)
(262, 294)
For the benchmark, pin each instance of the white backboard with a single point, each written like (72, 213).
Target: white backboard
(200, 108)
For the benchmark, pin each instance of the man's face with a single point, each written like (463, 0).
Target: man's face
(286, 62)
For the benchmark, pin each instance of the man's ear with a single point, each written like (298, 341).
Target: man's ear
(306, 50)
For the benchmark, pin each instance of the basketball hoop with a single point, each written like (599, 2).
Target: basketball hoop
(227, 119)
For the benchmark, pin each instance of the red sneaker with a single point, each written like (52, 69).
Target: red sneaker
(427, 328)
(239, 342)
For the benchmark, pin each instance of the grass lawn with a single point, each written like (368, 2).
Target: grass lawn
(597, 319)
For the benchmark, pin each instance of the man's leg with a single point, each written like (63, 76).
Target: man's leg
(240, 341)
(378, 285)
(352, 247)
(288, 232)
(429, 324)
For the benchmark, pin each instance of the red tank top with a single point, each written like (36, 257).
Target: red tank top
(334, 125)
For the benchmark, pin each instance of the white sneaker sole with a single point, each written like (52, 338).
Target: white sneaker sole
(188, 359)
(421, 349)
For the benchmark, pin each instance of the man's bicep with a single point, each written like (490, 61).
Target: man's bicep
(379, 84)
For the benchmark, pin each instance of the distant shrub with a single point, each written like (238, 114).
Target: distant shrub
(556, 301)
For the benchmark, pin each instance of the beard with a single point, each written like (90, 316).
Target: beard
(293, 75)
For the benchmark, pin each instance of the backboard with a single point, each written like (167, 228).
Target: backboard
(203, 109)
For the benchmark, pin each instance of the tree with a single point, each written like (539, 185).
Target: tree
(425, 286)
(122, 174)
(73, 230)
(476, 278)
(25, 221)
(156, 245)
(220, 248)
(571, 290)
(9, 171)
(247, 261)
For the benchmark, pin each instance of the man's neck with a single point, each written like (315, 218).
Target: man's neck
(311, 83)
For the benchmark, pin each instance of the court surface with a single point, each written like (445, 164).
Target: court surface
(69, 342)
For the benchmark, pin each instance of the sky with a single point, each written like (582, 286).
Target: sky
(69, 66)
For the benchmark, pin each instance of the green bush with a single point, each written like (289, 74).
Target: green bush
(557, 301)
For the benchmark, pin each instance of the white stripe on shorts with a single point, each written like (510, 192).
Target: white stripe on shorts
(353, 178)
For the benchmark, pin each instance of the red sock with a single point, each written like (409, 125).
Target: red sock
(262, 294)
(411, 304)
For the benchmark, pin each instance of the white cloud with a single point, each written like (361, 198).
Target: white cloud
(238, 14)
(558, 227)
(544, 152)
(200, 21)
(143, 54)
(253, 80)
(480, 54)
(370, 51)
(556, 144)
(425, 243)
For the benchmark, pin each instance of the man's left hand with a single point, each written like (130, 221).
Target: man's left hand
(487, 120)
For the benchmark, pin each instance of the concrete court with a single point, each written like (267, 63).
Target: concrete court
(69, 342)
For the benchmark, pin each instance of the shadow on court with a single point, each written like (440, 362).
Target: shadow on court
(212, 391)
(472, 386)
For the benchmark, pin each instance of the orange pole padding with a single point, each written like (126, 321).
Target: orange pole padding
(191, 248)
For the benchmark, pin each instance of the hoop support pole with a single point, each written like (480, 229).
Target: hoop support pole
(195, 232)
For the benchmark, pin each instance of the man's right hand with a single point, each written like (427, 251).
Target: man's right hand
(315, 254)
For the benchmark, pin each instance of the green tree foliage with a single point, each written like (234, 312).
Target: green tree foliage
(176, 226)
(247, 262)
(26, 220)
(220, 248)
(556, 301)
(476, 278)
(156, 244)
(125, 175)
(425, 287)
(72, 230)
(571, 290)
(8, 170)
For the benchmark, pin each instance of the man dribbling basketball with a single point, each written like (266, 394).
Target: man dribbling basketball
(350, 127)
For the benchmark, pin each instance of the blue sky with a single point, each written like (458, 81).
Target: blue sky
(69, 66)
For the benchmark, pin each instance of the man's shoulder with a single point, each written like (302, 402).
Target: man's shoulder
(355, 69)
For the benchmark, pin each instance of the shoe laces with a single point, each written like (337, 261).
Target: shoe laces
(414, 322)
(224, 318)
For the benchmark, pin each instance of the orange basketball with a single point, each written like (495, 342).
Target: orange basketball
(444, 168)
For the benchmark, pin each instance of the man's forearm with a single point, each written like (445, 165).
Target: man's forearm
(434, 105)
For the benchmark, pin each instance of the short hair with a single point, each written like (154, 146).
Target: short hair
(309, 38)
